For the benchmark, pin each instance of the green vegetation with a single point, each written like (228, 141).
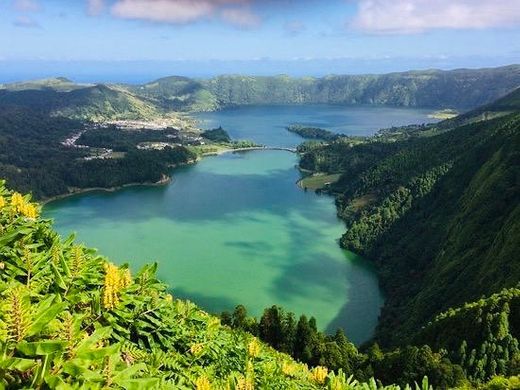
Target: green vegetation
(430, 88)
(313, 133)
(301, 339)
(176, 94)
(440, 216)
(218, 135)
(111, 137)
(71, 319)
(94, 103)
(437, 208)
(33, 159)
(318, 181)
(482, 336)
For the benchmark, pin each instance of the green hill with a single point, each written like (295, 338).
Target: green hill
(97, 103)
(439, 215)
(462, 88)
(58, 84)
(177, 93)
(71, 319)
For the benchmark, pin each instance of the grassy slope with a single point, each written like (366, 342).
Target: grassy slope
(59, 98)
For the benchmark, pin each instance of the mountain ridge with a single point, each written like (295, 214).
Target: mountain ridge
(460, 88)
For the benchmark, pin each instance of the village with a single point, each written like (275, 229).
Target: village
(187, 135)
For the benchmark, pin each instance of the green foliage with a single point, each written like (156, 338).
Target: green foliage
(70, 319)
(33, 159)
(313, 133)
(481, 336)
(429, 88)
(217, 135)
(97, 103)
(440, 216)
(111, 137)
(305, 343)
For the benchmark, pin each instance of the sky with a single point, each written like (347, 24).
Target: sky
(135, 40)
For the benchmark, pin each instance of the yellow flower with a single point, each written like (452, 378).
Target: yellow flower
(250, 368)
(196, 349)
(126, 279)
(115, 280)
(20, 206)
(168, 298)
(2, 202)
(289, 369)
(254, 347)
(29, 210)
(245, 384)
(203, 383)
(319, 374)
(16, 199)
(111, 286)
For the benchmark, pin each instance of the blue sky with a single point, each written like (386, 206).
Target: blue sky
(267, 36)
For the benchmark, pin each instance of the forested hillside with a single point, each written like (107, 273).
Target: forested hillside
(33, 158)
(59, 98)
(458, 88)
(440, 216)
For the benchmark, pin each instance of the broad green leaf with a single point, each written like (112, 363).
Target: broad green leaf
(18, 364)
(40, 348)
(130, 372)
(139, 384)
(90, 342)
(59, 279)
(99, 353)
(47, 311)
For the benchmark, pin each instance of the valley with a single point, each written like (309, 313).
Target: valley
(369, 221)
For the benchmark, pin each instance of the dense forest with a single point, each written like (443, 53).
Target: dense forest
(301, 339)
(33, 159)
(465, 345)
(217, 135)
(58, 97)
(439, 213)
(313, 133)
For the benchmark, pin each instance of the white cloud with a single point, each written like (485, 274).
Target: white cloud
(26, 5)
(186, 11)
(410, 16)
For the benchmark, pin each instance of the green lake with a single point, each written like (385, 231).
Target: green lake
(236, 229)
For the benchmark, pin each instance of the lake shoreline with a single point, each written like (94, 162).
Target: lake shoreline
(165, 179)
